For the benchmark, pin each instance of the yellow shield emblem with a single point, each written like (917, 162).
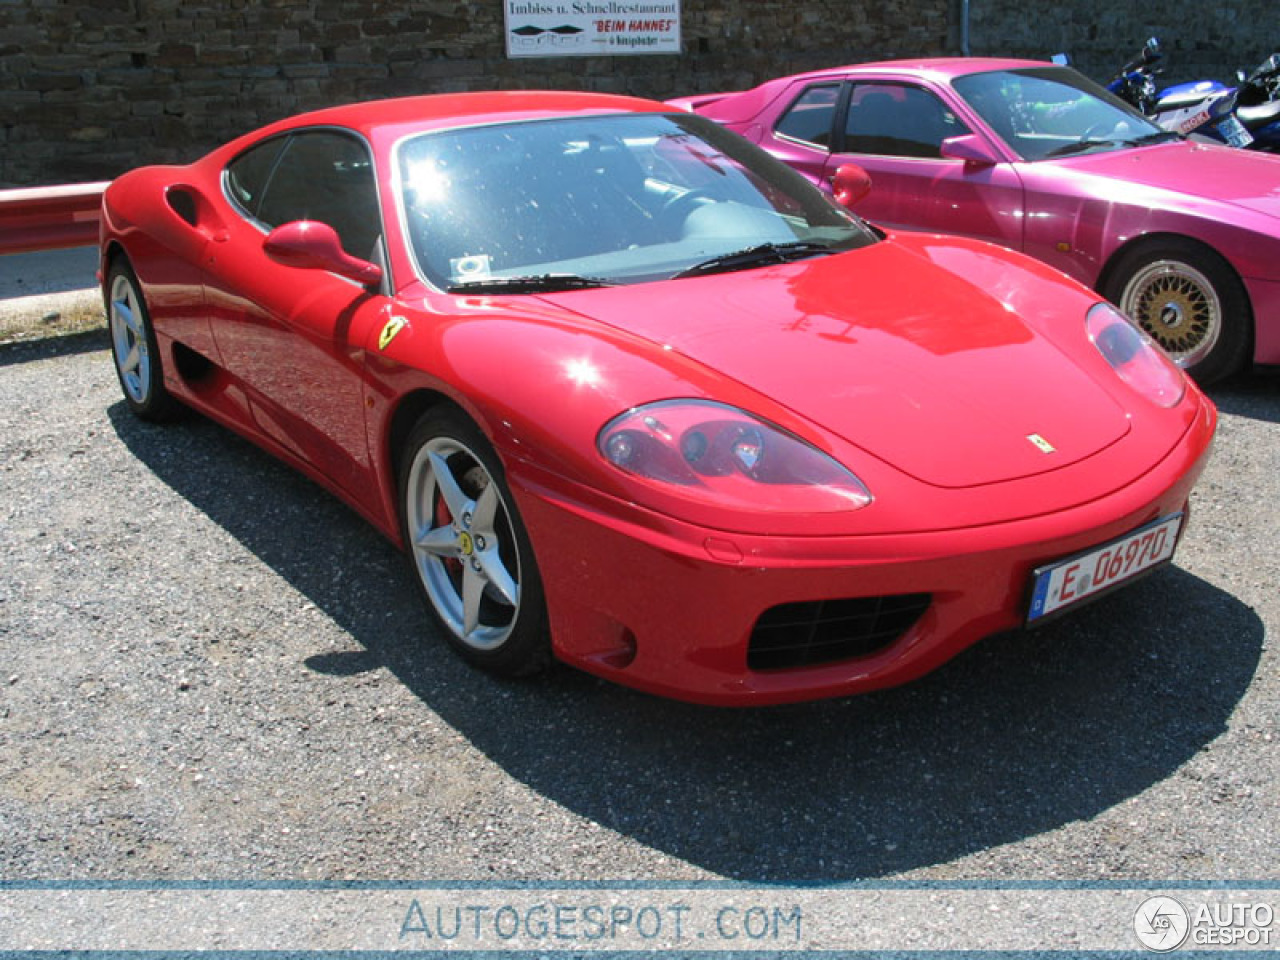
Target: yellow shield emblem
(394, 326)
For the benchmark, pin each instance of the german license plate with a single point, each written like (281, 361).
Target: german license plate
(1085, 575)
(1234, 132)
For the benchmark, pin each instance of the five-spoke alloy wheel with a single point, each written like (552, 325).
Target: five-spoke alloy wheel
(133, 347)
(468, 547)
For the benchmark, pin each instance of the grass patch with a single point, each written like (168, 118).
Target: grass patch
(74, 316)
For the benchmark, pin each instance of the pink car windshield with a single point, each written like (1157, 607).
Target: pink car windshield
(1046, 112)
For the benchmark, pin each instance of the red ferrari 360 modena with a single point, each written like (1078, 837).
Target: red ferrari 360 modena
(633, 394)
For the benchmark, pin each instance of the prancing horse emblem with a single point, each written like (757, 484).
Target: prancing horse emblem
(1043, 445)
(394, 326)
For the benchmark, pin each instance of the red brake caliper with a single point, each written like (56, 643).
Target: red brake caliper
(444, 519)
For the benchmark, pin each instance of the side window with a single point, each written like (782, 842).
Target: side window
(811, 117)
(327, 176)
(248, 174)
(898, 121)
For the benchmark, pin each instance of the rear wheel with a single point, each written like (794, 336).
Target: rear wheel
(1189, 301)
(134, 349)
(468, 547)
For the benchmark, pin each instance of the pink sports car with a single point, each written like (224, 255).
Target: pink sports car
(1183, 236)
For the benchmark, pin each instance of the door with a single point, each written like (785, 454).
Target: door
(295, 338)
(895, 132)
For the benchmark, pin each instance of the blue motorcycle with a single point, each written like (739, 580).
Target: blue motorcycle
(1247, 115)
(1136, 82)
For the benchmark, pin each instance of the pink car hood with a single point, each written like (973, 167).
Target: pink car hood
(1241, 177)
(906, 360)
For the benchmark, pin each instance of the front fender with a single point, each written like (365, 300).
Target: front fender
(539, 380)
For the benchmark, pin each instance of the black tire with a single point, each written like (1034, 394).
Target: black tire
(468, 548)
(134, 350)
(1190, 301)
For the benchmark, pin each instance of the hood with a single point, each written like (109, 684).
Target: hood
(1246, 178)
(901, 357)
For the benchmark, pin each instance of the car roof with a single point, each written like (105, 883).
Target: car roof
(405, 114)
(938, 68)
(744, 105)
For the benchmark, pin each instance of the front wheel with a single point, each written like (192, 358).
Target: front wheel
(1189, 301)
(468, 548)
(134, 349)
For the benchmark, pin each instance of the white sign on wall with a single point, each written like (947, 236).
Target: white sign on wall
(591, 28)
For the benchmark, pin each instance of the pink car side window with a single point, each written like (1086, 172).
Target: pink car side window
(897, 120)
(812, 116)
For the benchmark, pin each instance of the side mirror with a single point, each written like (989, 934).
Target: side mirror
(1061, 59)
(311, 245)
(970, 148)
(850, 184)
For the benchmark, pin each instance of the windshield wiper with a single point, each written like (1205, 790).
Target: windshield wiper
(758, 255)
(1160, 136)
(534, 283)
(1082, 145)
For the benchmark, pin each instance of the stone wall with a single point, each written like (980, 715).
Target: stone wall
(1200, 39)
(89, 88)
(93, 88)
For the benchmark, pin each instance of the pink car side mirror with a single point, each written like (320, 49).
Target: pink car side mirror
(850, 184)
(311, 245)
(970, 149)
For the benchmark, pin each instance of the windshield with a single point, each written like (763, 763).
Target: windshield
(621, 198)
(1045, 112)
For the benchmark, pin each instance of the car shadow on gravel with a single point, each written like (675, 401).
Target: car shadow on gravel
(1020, 735)
(1255, 395)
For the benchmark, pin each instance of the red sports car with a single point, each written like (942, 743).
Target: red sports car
(633, 394)
(1183, 236)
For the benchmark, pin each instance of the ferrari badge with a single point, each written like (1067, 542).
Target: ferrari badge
(394, 326)
(1041, 444)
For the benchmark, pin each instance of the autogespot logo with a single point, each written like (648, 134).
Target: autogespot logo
(1161, 924)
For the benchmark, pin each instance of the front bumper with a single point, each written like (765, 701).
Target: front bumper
(668, 607)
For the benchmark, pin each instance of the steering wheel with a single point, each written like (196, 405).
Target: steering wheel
(1096, 131)
(676, 210)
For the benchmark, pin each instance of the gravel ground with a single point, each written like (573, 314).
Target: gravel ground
(210, 669)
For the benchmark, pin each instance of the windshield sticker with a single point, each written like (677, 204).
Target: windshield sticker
(465, 269)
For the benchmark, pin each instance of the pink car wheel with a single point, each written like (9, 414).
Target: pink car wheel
(1189, 302)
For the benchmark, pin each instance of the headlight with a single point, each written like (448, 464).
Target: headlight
(1138, 361)
(720, 455)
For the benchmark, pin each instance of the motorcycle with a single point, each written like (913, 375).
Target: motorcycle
(1247, 115)
(1136, 82)
(1258, 102)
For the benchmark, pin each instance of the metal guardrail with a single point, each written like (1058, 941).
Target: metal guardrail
(50, 218)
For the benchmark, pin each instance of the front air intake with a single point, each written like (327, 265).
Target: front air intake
(823, 631)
